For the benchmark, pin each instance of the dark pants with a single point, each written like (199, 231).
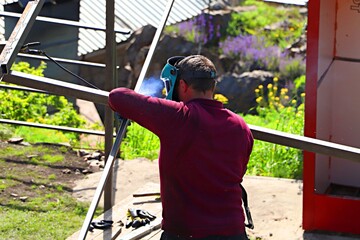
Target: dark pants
(167, 236)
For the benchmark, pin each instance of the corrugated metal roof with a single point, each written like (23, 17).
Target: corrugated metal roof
(131, 15)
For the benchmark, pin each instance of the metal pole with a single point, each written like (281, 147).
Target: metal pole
(110, 78)
(57, 87)
(122, 128)
(63, 60)
(306, 143)
(19, 34)
(53, 127)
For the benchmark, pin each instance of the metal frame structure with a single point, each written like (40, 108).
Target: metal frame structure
(19, 34)
(101, 96)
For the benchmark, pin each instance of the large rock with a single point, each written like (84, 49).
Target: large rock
(240, 89)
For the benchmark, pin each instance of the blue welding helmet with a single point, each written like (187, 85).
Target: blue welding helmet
(169, 75)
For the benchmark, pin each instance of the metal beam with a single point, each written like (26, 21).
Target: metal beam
(19, 88)
(53, 127)
(260, 133)
(63, 60)
(19, 34)
(57, 87)
(66, 22)
(306, 143)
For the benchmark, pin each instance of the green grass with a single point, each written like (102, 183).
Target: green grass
(57, 219)
(49, 211)
(53, 158)
(139, 142)
(7, 183)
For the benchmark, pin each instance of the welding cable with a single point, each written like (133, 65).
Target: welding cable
(40, 52)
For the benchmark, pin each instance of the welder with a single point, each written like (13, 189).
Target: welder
(204, 150)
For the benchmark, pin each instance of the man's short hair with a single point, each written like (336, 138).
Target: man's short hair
(197, 71)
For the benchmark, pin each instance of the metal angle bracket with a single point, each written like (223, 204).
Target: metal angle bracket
(19, 34)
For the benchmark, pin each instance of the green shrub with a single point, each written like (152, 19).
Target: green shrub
(289, 23)
(139, 142)
(36, 107)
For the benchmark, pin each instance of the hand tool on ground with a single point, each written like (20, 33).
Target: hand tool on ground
(137, 218)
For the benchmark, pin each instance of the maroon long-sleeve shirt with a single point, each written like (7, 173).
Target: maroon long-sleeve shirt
(203, 156)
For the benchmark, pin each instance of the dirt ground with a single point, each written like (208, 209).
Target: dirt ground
(25, 171)
(275, 204)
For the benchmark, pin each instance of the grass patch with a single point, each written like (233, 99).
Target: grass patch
(53, 216)
(35, 196)
(53, 158)
(139, 142)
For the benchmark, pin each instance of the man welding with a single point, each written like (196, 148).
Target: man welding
(204, 151)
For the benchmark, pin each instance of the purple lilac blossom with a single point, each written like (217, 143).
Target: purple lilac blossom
(251, 48)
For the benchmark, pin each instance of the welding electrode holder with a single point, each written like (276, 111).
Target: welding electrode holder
(25, 49)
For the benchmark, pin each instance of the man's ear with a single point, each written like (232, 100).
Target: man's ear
(183, 85)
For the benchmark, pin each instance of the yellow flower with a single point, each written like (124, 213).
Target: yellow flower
(221, 98)
(293, 101)
(275, 79)
(261, 86)
(284, 90)
(269, 86)
(259, 99)
(257, 90)
(302, 94)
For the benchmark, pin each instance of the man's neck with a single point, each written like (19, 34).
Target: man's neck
(196, 94)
